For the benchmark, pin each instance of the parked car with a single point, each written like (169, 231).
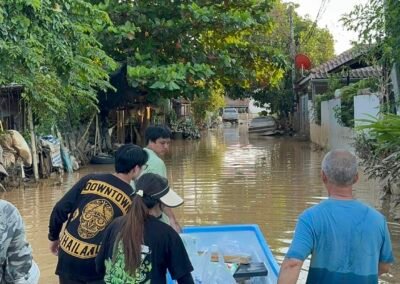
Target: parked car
(263, 125)
(230, 114)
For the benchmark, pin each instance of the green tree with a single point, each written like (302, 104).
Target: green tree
(315, 42)
(183, 48)
(50, 48)
(211, 102)
(378, 25)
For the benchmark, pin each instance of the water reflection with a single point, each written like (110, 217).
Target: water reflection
(226, 177)
(238, 178)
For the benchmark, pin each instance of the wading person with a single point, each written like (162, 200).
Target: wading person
(349, 242)
(88, 208)
(16, 263)
(138, 247)
(158, 139)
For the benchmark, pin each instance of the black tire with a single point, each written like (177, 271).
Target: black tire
(102, 159)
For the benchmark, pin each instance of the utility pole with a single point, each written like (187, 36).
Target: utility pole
(292, 48)
(33, 142)
(291, 6)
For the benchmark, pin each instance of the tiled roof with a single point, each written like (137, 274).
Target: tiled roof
(360, 73)
(348, 58)
(236, 103)
(181, 101)
(338, 61)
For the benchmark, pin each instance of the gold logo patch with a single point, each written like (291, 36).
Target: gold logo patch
(96, 215)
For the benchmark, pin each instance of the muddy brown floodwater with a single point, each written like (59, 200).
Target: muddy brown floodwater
(227, 177)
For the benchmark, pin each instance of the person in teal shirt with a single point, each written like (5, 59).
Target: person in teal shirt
(155, 164)
(349, 241)
(158, 139)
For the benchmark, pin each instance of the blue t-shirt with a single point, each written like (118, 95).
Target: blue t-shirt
(346, 238)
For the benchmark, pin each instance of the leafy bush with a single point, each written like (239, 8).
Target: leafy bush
(378, 145)
(211, 102)
(188, 128)
(345, 113)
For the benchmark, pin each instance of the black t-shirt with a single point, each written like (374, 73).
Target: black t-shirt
(162, 249)
(89, 206)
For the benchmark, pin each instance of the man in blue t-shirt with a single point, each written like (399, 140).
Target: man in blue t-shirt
(349, 242)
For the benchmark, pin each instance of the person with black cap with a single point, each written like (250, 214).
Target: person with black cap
(138, 247)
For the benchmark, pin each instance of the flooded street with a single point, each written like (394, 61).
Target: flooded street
(226, 177)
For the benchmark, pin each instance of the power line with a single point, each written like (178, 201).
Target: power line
(313, 26)
(321, 11)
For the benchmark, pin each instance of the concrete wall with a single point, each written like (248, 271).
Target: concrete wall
(303, 116)
(330, 134)
(364, 107)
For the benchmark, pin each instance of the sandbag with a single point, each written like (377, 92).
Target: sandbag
(12, 140)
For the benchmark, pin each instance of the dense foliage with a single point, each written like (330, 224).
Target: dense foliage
(63, 51)
(183, 48)
(378, 145)
(377, 23)
(345, 113)
(192, 48)
(211, 103)
(315, 42)
(50, 48)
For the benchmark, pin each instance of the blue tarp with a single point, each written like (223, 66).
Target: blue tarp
(55, 149)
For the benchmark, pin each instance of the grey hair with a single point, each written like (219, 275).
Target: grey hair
(340, 167)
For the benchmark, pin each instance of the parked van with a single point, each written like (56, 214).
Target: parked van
(230, 114)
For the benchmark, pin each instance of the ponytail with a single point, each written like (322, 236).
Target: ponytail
(132, 234)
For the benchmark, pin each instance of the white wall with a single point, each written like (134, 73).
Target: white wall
(364, 106)
(330, 134)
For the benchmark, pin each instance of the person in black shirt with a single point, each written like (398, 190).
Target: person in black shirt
(138, 248)
(88, 208)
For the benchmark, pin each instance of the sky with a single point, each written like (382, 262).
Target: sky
(330, 18)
